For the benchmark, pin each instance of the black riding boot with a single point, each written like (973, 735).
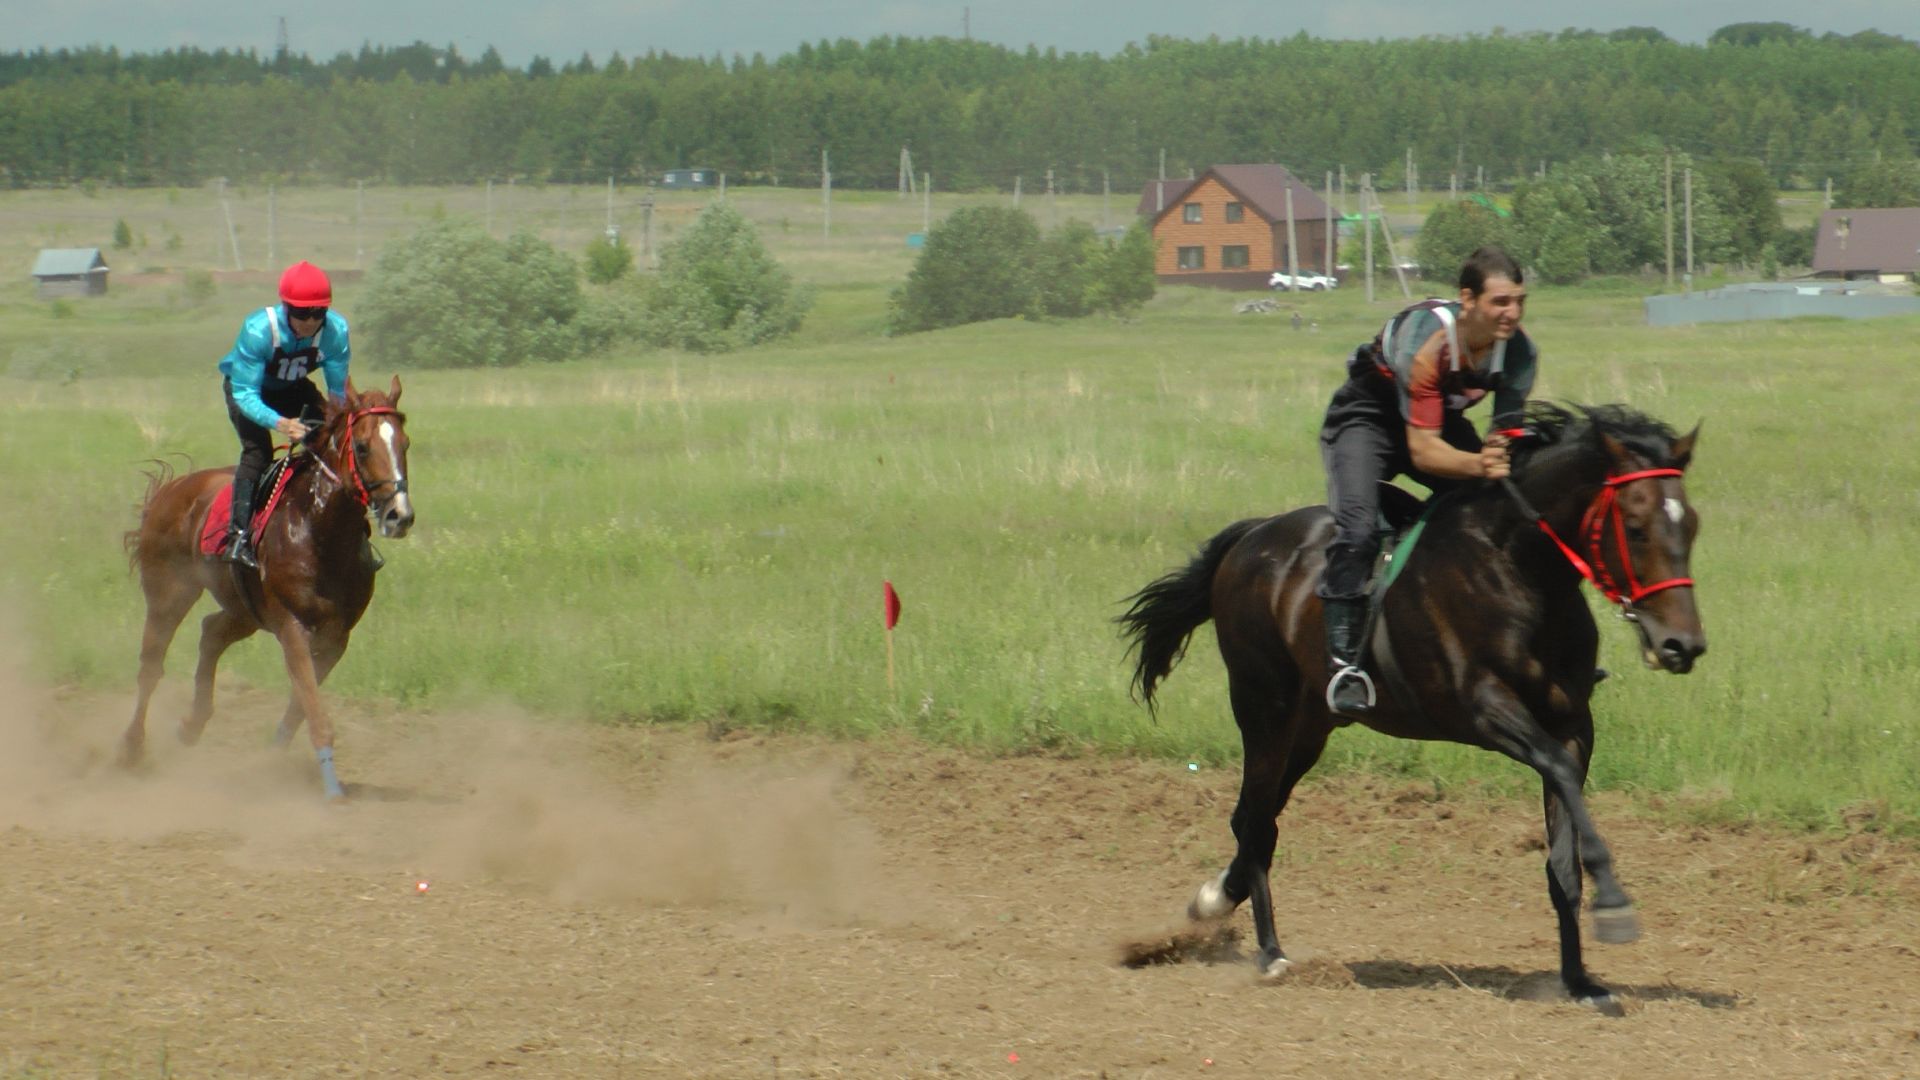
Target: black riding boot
(1349, 690)
(239, 541)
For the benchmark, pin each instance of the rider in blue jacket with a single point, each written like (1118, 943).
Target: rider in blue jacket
(267, 387)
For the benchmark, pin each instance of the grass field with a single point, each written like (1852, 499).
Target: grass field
(654, 536)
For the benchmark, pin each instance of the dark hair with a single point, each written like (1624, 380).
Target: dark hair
(1490, 261)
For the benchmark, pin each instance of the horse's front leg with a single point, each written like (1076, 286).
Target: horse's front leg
(296, 646)
(1574, 844)
(327, 650)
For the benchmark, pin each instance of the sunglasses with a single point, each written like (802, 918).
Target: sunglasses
(306, 313)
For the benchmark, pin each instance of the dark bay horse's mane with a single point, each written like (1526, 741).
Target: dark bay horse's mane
(1561, 433)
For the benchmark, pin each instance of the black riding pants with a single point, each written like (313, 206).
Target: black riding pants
(1362, 443)
(256, 442)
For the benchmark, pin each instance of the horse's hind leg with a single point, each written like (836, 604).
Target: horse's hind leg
(1278, 752)
(166, 607)
(218, 632)
(1563, 888)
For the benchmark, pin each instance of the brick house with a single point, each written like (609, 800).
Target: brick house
(1227, 227)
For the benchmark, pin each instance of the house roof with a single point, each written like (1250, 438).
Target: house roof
(1884, 241)
(1262, 187)
(67, 262)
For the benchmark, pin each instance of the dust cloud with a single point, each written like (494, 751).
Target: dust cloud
(571, 812)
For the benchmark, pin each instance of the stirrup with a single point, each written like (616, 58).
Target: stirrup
(240, 550)
(1350, 671)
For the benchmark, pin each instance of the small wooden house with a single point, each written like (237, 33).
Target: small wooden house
(62, 272)
(1228, 226)
(1873, 244)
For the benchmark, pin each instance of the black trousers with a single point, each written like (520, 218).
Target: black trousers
(256, 442)
(1363, 442)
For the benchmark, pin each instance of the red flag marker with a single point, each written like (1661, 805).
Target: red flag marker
(890, 615)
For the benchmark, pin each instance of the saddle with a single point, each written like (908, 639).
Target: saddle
(1399, 523)
(267, 493)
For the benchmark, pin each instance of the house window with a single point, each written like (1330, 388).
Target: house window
(1193, 258)
(1190, 213)
(1233, 257)
(1236, 212)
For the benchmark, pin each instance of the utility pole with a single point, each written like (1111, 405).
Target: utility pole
(1343, 189)
(1410, 180)
(1326, 245)
(1016, 190)
(273, 258)
(489, 206)
(1399, 271)
(1366, 225)
(1689, 187)
(1053, 212)
(926, 205)
(1829, 193)
(611, 231)
(1163, 163)
(646, 230)
(966, 24)
(826, 197)
(1106, 199)
(1669, 219)
(906, 172)
(1293, 244)
(233, 238)
(1480, 178)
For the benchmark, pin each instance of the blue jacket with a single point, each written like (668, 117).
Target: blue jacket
(266, 356)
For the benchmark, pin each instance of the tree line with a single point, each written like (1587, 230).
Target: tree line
(1496, 108)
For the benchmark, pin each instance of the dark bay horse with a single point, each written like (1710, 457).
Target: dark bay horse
(1485, 639)
(314, 581)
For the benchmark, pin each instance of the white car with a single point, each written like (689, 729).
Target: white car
(1307, 281)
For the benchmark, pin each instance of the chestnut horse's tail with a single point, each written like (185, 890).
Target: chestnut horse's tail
(1165, 614)
(158, 477)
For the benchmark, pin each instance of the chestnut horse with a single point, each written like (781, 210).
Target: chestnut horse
(1485, 639)
(314, 580)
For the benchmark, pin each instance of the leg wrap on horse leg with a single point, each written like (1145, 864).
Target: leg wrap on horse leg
(328, 778)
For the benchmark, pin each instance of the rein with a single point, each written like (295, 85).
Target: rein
(1604, 511)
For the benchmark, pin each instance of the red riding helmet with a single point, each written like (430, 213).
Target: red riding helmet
(305, 285)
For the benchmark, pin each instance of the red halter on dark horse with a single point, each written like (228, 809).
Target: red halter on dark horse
(314, 581)
(1485, 639)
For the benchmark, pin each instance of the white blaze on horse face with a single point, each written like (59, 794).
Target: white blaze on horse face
(1675, 512)
(402, 504)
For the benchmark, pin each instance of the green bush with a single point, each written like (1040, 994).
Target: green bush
(450, 295)
(608, 259)
(1065, 266)
(719, 289)
(1125, 278)
(977, 265)
(122, 235)
(1452, 232)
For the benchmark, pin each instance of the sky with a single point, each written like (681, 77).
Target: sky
(561, 30)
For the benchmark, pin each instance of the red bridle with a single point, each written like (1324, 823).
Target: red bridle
(353, 458)
(1605, 511)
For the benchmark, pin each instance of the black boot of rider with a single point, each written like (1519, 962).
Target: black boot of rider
(1349, 689)
(239, 540)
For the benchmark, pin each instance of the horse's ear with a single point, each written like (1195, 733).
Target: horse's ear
(1616, 449)
(1683, 447)
(351, 394)
(393, 391)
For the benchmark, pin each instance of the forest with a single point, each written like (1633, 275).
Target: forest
(1484, 110)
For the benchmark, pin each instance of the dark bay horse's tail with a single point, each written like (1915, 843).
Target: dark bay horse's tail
(1165, 614)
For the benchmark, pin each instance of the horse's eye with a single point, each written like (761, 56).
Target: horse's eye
(1637, 534)
(361, 446)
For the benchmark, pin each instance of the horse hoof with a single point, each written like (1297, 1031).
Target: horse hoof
(1603, 1003)
(1616, 926)
(131, 754)
(188, 736)
(1274, 966)
(1211, 901)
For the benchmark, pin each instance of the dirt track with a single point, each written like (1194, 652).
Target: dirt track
(662, 904)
